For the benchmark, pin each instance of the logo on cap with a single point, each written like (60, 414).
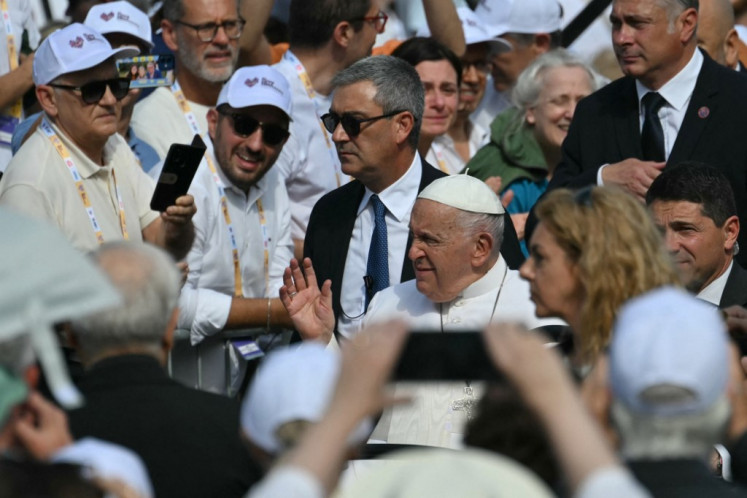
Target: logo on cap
(106, 16)
(251, 82)
(77, 42)
(123, 17)
(271, 84)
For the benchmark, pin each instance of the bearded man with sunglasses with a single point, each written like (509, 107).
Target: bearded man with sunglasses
(76, 171)
(243, 240)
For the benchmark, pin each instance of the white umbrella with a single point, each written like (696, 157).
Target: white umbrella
(44, 280)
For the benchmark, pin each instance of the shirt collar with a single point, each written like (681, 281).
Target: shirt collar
(398, 197)
(678, 90)
(488, 282)
(85, 166)
(713, 291)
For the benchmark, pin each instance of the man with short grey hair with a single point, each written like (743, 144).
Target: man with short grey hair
(187, 438)
(374, 119)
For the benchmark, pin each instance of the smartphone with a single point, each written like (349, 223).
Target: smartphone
(176, 175)
(146, 71)
(445, 356)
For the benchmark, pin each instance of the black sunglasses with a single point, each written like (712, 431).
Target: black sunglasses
(245, 125)
(94, 91)
(350, 124)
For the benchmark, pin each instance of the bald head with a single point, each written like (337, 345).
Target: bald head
(716, 34)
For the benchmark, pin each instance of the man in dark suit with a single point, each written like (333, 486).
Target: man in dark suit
(374, 119)
(694, 206)
(188, 439)
(702, 116)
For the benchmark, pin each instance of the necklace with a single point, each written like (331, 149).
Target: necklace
(468, 402)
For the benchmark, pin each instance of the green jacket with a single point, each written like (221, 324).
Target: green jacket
(512, 153)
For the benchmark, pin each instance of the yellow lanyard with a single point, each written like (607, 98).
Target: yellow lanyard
(438, 151)
(238, 290)
(16, 110)
(311, 93)
(73, 170)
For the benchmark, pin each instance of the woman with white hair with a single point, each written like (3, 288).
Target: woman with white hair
(525, 142)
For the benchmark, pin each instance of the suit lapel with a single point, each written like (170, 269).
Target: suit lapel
(340, 242)
(626, 122)
(735, 290)
(702, 109)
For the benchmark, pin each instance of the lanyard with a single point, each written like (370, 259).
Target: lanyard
(73, 170)
(438, 151)
(238, 290)
(16, 110)
(311, 93)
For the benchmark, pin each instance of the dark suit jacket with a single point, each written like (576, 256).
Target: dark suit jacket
(681, 479)
(331, 227)
(188, 439)
(735, 290)
(605, 130)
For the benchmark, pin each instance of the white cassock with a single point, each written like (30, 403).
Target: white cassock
(432, 418)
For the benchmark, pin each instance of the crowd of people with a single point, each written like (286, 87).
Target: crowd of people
(425, 253)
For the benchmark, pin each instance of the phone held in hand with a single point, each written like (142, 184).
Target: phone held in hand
(439, 356)
(179, 169)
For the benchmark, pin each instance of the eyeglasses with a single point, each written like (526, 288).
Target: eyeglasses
(378, 21)
(350, 124)
(206, 32)
(245, 125)
(480, 66)
(94, 91)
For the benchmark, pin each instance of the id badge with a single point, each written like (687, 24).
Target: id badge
(8, 125)
(247, 348)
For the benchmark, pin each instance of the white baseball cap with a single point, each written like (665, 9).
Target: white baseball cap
(463, 192)
(73, 48)
(257, 85)
(295, 383)
(107, 460)
(668, 337)
(476, 31)
(120, 17)
(520, 16)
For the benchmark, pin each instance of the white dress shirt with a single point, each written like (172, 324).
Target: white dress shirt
(309, 166)
(677, 92)
(206, 297)
(444, 155)
(713, 291)
(398, 199)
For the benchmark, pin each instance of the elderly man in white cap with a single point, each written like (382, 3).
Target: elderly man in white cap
(75, 171)
(243, 240)
(461, 283)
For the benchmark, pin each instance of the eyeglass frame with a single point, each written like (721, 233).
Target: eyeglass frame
(260, 126)
(240, 22)
(357, 121)
(381, 17)
(107, 85)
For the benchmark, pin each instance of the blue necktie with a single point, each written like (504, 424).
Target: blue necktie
(377, 268)
(652, 134)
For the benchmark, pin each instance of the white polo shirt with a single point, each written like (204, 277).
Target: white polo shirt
(38, 183)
